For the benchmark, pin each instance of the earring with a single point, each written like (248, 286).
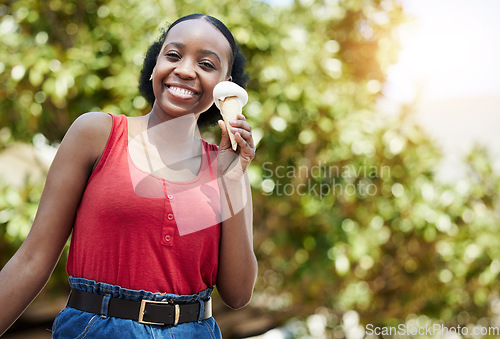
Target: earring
(151, 77)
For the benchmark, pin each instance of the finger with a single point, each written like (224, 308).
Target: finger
(246, 150)
(222, 126)
(242, 124)
(244, 128)
(245, 135)
(225, 142)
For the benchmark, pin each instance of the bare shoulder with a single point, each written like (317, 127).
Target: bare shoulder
(92, 124)
(88, 136)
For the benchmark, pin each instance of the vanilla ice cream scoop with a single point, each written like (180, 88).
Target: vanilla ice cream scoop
(230, 98)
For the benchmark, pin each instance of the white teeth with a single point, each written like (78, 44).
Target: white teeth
(181, 90)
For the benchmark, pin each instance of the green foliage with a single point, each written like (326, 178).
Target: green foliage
(62, 59)
(348, 213)
(17, 210)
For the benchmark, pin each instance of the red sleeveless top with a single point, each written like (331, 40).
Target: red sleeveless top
(142, 232)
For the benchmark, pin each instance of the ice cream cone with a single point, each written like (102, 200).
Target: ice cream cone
(230, 98)
(230, 107)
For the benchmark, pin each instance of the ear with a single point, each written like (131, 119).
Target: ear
(230, 78)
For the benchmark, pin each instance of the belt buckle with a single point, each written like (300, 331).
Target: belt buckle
(143, 308)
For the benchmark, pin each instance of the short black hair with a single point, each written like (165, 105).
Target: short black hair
(237, 65)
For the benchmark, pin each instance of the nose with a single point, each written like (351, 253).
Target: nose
(185, 70)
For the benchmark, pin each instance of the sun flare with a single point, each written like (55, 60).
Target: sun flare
(444, 54)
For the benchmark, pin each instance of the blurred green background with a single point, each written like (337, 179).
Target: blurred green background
(352, 226)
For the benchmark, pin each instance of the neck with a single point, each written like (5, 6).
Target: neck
(176, 134)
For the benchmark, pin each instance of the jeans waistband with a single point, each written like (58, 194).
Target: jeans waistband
(116, 291)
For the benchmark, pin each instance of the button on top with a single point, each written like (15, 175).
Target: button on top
(167, 238)
(170, 216)
(170, 196)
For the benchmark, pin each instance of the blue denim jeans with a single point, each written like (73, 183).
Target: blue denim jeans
(73, 323)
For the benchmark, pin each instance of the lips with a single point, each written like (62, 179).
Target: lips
(181, 91)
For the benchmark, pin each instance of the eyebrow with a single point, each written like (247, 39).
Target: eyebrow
(202, 51)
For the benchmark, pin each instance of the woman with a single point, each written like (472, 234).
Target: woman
(159, 216)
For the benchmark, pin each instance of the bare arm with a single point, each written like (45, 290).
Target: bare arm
(27, 272)
(237, 263)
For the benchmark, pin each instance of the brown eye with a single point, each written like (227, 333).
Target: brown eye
(207, 64)
(172, 55)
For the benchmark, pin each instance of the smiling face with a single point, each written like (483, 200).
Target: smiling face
(193, 59)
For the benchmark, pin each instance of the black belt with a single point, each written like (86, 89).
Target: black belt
(144, 311)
